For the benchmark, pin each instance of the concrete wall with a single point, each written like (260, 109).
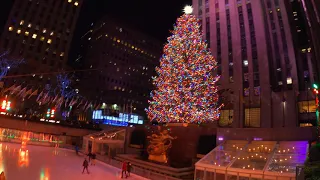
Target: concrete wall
(184, 148)
(6, 122)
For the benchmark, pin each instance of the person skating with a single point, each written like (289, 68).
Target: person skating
(93, 159)
(90, 156)
(124, 169)
(129, 166)
(77, 150)
(85, 166)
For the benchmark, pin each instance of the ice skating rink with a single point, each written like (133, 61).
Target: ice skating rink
(48, 163)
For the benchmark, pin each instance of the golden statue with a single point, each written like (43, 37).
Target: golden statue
(159, 145)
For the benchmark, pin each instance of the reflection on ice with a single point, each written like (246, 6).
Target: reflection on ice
(23, 161)
(44, 174)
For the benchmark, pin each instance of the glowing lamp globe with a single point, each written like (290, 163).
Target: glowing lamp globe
(187, 9)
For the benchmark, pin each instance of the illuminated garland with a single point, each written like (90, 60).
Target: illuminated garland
(185, 85)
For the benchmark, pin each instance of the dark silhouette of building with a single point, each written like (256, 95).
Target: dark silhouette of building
(122, 62)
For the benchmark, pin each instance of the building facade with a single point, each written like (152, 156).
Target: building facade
(122, 62)
(40, 32)
(265, 58)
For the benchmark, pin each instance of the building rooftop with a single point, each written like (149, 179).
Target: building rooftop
(255, 159)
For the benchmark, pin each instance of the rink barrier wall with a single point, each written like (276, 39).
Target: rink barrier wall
(118, 164)
(41, 127)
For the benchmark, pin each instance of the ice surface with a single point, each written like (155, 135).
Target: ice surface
(49, 163)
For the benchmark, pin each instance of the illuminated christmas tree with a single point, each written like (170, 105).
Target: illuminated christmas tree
(185, 85)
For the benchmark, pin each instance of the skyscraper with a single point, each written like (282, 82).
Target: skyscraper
(122, 62)
(265, 58)
(41, 33)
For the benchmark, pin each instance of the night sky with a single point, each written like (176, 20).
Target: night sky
(153, 17)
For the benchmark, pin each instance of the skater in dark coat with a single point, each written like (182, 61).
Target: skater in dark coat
(85, 165)
(129, 167)
(93, 159)
(90, 156)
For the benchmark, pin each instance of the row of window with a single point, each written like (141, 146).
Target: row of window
(115, 39)
(34, 36)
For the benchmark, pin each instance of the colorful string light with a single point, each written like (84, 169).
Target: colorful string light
(185, 85)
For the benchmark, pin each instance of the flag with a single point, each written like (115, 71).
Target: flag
(34, 93)
(81, 102)
(10, 88)
(73, 101)
(55, 98)
(66, 102)
(98, 106)
(27, 93)
(18, 88)
(88, 106)
(22, 91)
(39, 96)
(85, 105)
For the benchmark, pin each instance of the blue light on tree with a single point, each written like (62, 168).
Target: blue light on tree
(6, 64)
(64, 85)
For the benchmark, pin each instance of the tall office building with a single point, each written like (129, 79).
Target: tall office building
(123, 62)
(266, 60)
(40, 31)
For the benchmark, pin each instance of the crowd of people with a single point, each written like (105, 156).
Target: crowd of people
(126, 169)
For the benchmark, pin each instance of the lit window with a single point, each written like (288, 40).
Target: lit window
(69, 1)
(115, 88)
(106, 35)
(26, 33)
(18, 31)
(132, 47)
(10, 28)
(34, 36)
(280, 83)
(289, 80)
(42, 38)
(49, 41)
(76, 3)
(29, 25)
(270, 12)
(62, 54)
(44, 31)
(118, 41)
(21, 22)
(307, 106)
(245, 63)
(278, 9)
